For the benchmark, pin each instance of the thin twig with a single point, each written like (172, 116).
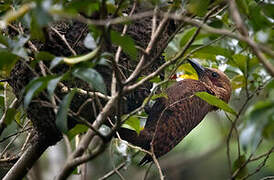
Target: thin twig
(190, 41)
(14, 134)
(113, 171)
(11, 142)
(178, 17)
(117, 20)
(135, 147)
(117, 72)
(149, 48)
(254, 46)
(145, 102)
(154, 21)
(262, 155)
(233, 126)
(80, 109)
(157, 163)
(24, 146)
(85, 141)
(67, 143)
(64, 40)
(267, 178)
(14, 104)
(117, 168)
(112, 162)
(237, 171)
(259, 167)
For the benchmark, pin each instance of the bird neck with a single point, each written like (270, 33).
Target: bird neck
(219, 92)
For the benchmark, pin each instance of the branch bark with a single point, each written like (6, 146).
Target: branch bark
(26, 161)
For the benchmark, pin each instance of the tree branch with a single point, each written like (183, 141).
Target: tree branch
(153, 40)
(26, 161)
(85, 141)
(254, 46)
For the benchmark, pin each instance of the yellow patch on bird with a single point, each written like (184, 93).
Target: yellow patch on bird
(189, 76)
(188, 72)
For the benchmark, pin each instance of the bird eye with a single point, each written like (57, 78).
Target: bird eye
(214, 74)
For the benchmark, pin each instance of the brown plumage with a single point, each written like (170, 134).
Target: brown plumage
(172, 118)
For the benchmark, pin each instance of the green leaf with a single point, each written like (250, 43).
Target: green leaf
(260, 111)
(2, 101)
(216, 23)
(42, 15)
(17, 46)
(257, 19)
(62, 114)
(156, 79)
(95, 31)
(238, 164)
(240, 61)
(268, 131)
(36, 86)
(250, 137)
(187, 35)
(36, 31)
(13, 46)
(86, 57)
(83, 6)
(4, 40)
(75, 171)
(253, 63)
(7, 62)
(270, 85)
(79, 128)
(90, 42)
(243, 6)
(213, 100)
(133, 123)
(44, 56)
(10, 114)
(257, 116)
(52, 85)
(210, 52)
(33, 88)
(111, 8)
(126, 42)
(92, 77)
(238, 81)
(5, 7)
(225, 18)
(156, 96)
(268, 9)
(18, 117)
(198, 7)
(56, 61)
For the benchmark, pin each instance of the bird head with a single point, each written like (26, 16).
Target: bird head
(214, 79)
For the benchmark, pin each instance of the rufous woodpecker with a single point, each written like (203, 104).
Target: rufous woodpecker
(171, 119)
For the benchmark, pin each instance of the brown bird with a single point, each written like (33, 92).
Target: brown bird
(171, 119)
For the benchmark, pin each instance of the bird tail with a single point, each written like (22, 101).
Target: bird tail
(138, 140)
(129, 136)
(4, 80)
(145, 160)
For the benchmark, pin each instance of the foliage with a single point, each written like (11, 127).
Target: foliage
(222, 44)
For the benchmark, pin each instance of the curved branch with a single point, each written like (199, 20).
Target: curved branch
(27, 160)
(253, 45)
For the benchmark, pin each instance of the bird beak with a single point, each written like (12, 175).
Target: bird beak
(198, 68)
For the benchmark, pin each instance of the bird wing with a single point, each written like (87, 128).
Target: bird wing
(181, 113)
(154, 114)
